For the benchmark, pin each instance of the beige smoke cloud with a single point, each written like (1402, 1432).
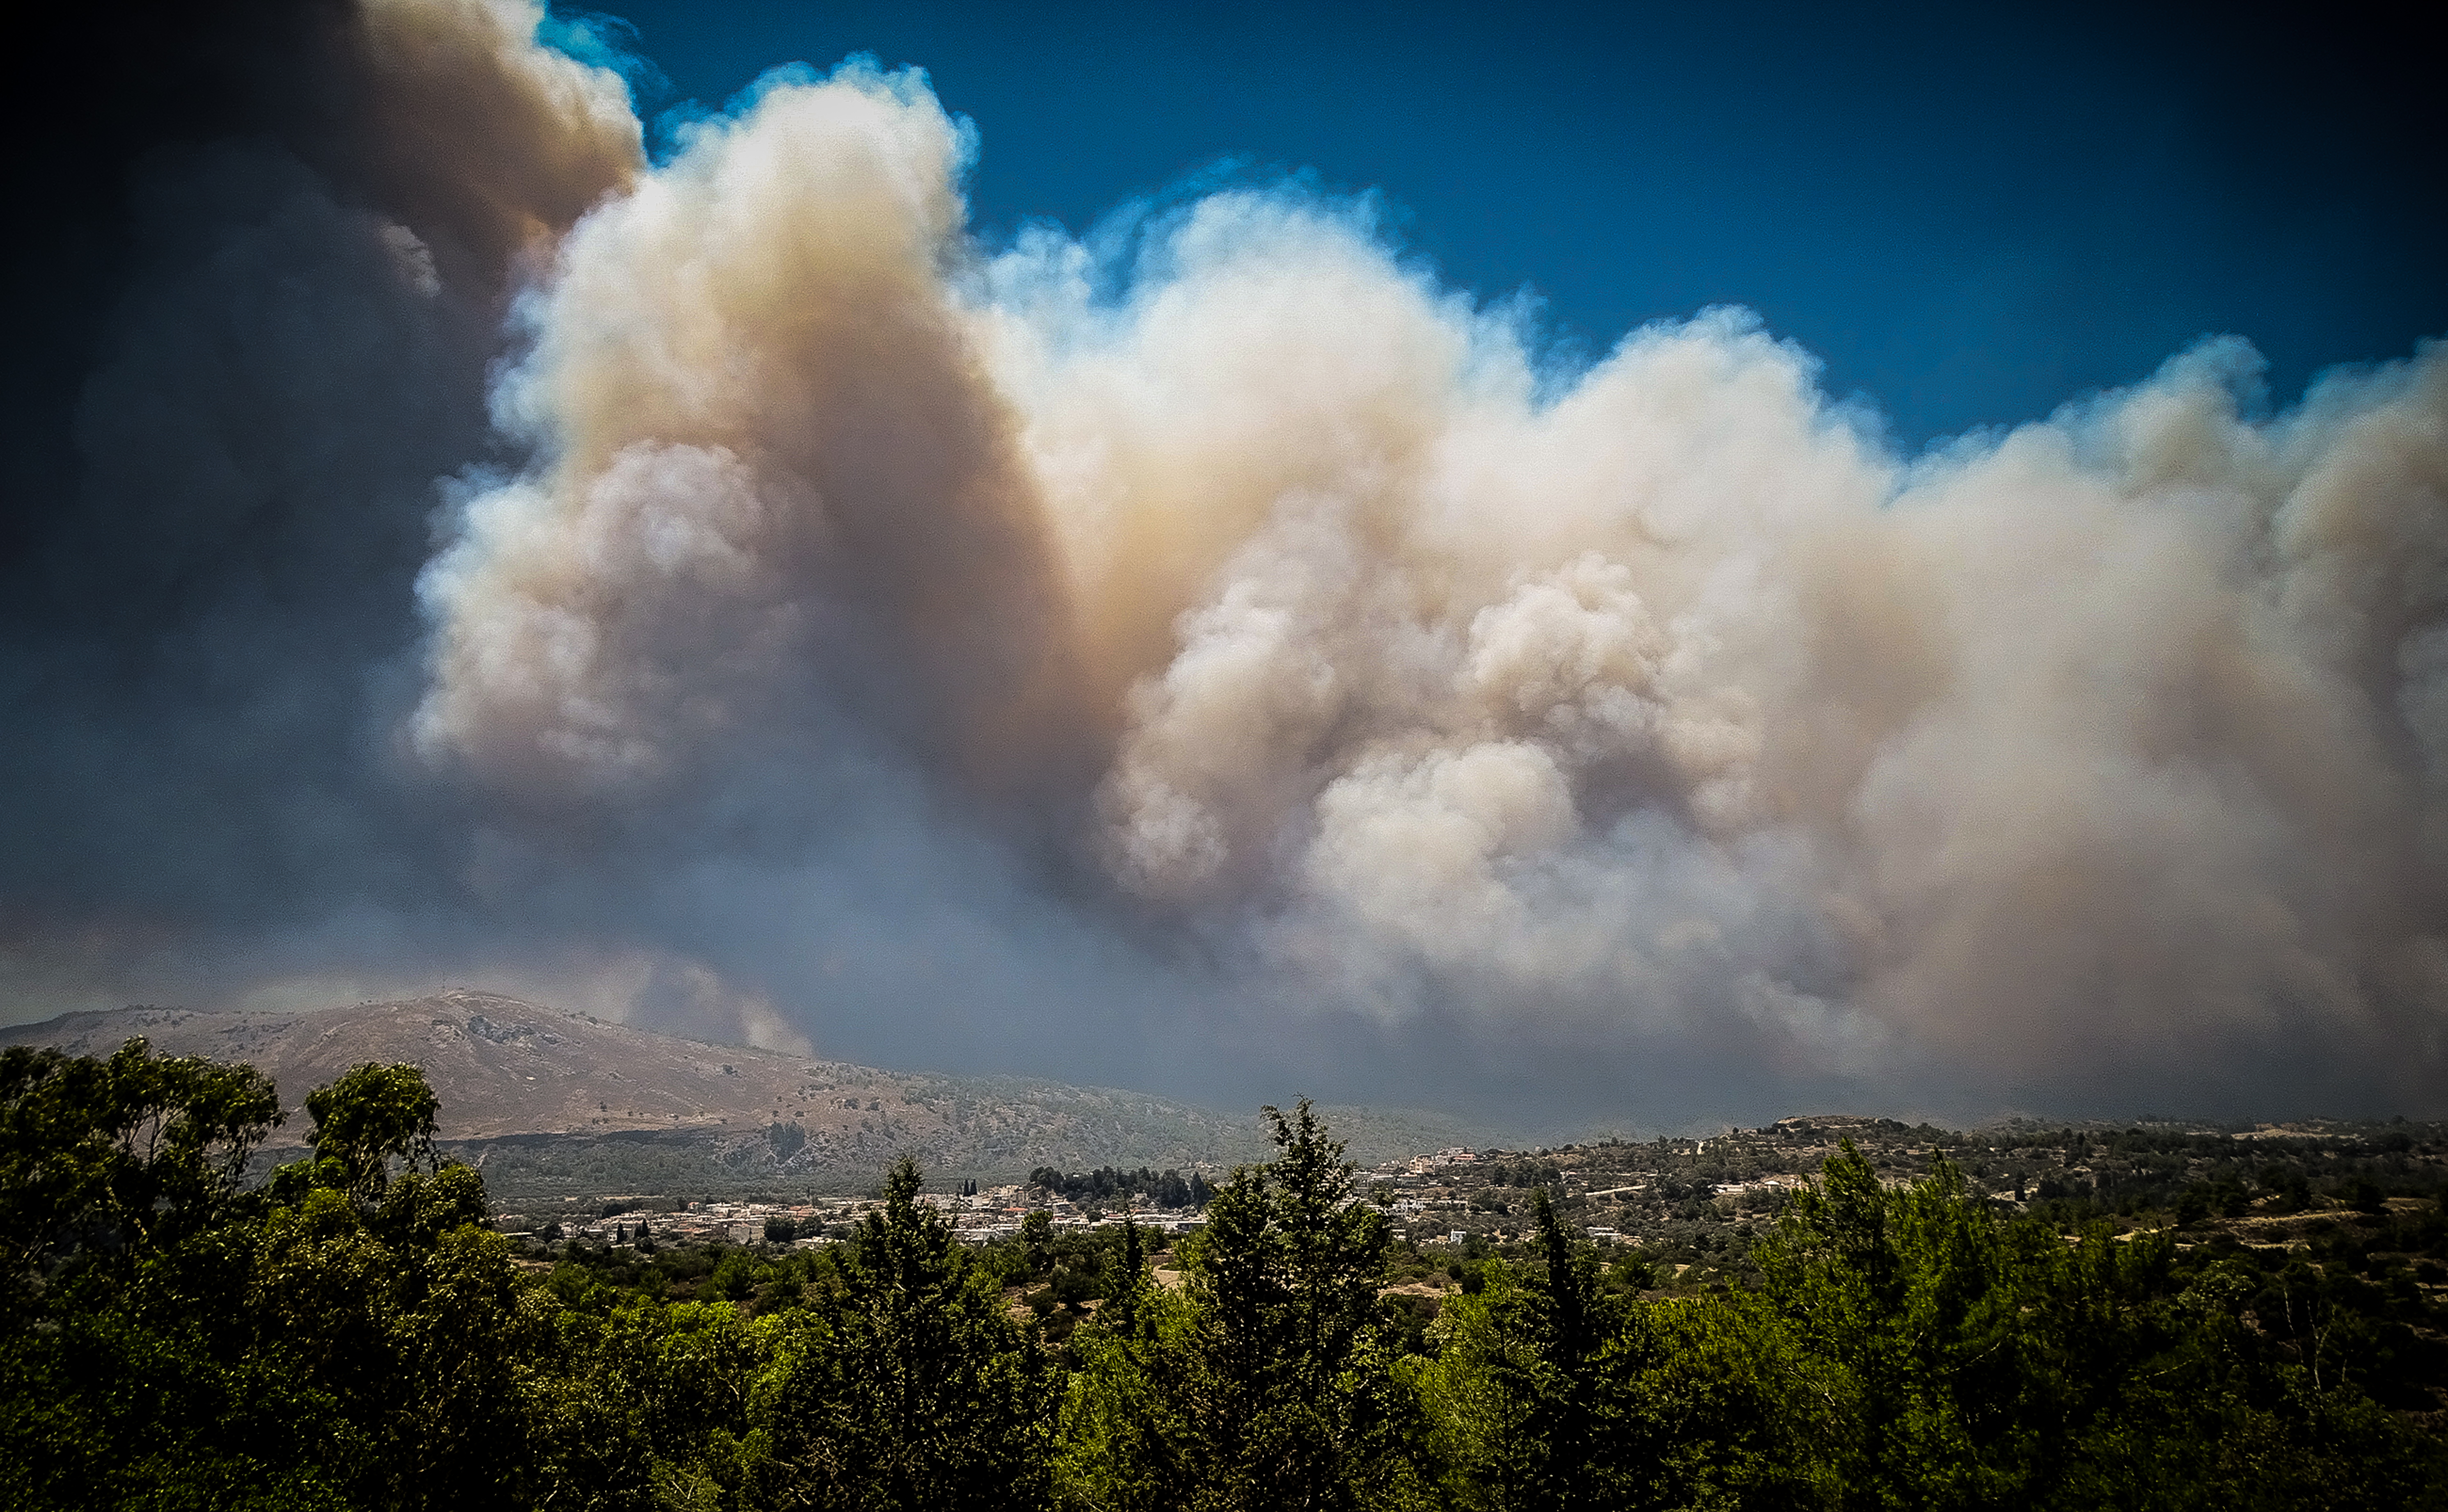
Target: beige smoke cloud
(1654, 700)
(779, 490)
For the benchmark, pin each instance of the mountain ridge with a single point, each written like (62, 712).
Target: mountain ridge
(511, 1071)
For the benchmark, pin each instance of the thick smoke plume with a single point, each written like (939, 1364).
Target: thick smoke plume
(1215, 633)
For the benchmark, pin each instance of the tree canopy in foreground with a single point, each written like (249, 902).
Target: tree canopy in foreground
(350, 1335)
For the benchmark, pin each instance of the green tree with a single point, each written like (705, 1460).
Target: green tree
(1514, 1388)
(1295, 1402)
(110, 1161)
(1268, 1381)
(342, 1338)
(1912, 1294)
(123, 1377)
(1484, 1391)
(653, 1406)
(1126, 1442)
(1037, 1242)
(1712, 1401)
(373, 1116)
(1128, 1285)
(927, 1395)
(385, 1293)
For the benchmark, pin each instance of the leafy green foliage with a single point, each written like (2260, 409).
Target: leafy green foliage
(370, 1117)
(340, 1338)
(102, 1160)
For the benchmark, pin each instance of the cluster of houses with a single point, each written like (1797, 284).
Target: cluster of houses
(982, 1217)
(1431, 1197)
(997, 1213)
(1431, 1164)
(720, 1222)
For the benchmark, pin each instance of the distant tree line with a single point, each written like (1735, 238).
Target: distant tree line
(785, 1139)
(1107, 1183)
(350, 1335)
(1524, 1174)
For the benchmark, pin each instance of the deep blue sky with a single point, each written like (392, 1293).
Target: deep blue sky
(1971, 218)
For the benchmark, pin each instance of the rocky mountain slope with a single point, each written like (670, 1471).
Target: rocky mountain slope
(561, 1087)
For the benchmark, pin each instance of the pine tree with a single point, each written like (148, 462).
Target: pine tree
(926, 1396)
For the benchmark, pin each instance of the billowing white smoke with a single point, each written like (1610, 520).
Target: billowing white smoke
(1656, 703)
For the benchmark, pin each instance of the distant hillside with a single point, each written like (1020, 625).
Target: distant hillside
(553, 1101)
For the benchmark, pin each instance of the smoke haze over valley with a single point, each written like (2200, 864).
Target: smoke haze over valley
(685, 570)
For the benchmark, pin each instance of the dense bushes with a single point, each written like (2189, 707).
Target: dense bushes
(350, 1336)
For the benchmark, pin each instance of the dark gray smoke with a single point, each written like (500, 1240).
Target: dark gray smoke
(258, 336)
